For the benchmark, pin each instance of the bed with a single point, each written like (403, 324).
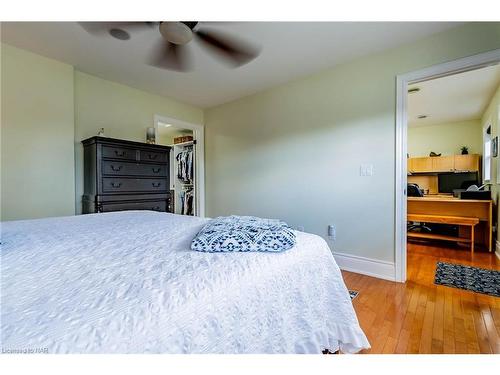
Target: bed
(127, 282)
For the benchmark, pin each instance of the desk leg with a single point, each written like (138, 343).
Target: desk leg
(472, 239)
(490, 236)
(490, 226)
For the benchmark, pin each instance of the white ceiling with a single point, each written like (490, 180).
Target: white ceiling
(455, 98)
(289, 50)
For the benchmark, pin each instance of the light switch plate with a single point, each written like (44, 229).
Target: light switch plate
(366, 170)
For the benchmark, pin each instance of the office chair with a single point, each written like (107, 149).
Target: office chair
(413, 190)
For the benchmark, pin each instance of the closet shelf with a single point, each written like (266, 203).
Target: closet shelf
(189, 143)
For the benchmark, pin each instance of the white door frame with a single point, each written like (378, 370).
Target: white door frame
(199, 136)
(402, 82)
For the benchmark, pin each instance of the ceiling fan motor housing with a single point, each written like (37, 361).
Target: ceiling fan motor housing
(176, 32)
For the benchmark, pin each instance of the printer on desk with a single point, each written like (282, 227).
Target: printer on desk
(473, 192)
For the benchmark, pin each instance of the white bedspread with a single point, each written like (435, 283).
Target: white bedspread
(127, 282)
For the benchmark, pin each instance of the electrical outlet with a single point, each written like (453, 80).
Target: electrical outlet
(332, 232)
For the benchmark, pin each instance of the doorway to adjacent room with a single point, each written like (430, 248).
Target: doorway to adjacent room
(431, 170)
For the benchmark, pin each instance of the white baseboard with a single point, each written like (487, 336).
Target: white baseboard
(366, 266)
(497, 249)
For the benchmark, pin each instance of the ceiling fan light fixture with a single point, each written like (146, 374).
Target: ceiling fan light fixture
(176, 32)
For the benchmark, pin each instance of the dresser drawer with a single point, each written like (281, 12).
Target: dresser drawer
(116, 184)
(153, 156)
(122, 168)
(117, 152)
(160, 206)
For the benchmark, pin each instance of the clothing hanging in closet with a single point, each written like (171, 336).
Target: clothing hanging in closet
(185, 165)
(187, 201)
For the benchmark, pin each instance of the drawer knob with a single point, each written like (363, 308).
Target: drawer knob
(156, 184)
(116, 169)
(156, 170)
(156, 208)
(119, 153)
(116, 185)
(152, 156)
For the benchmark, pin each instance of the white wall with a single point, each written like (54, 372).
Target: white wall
(294, 151)
(445, 139)
(37, 136)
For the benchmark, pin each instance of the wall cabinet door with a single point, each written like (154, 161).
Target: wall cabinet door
(467, 163)
(443, 163)
(420, 165)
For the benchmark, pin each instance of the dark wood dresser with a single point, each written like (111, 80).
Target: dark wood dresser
(124, 175)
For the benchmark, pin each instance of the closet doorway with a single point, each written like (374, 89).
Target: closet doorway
(187, 164)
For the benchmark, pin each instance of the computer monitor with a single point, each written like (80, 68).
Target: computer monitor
(447, 182)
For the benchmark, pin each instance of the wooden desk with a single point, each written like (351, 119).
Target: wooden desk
(451, 206)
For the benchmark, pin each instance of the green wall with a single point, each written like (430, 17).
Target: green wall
(446, 139)
(48, 109)
(294, 151)
(37, 136)
(122, 111)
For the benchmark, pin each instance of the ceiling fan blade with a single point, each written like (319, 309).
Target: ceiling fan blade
(118, 30)
(234, 51)
(172, 57)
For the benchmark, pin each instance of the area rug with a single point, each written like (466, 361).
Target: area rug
(478, 280)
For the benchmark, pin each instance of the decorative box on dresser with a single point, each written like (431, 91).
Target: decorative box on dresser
(124, 175)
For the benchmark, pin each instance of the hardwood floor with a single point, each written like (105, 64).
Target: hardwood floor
(420, 317)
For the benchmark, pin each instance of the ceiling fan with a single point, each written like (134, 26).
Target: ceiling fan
(172, 51)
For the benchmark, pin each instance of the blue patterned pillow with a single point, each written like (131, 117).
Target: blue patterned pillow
(244, 233)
